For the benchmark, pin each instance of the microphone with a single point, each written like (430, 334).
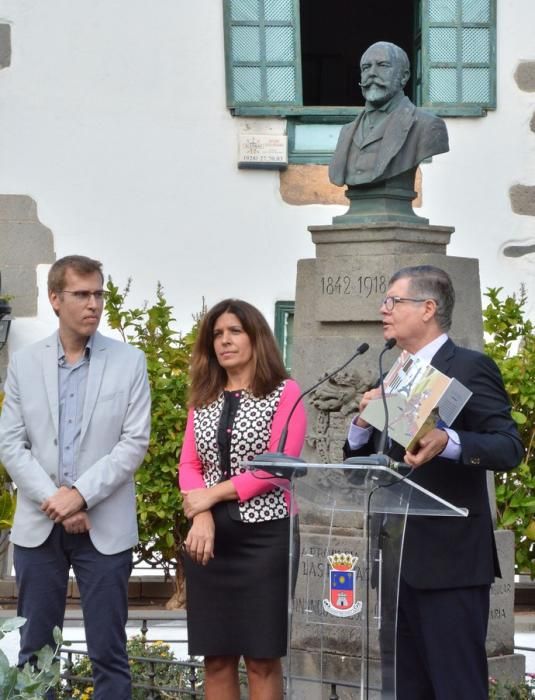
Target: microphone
(379, 459)
(390, 343)
(279, 456)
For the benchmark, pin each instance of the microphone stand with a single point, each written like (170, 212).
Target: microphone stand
(384, 434)
(380, 459)
(271, 461)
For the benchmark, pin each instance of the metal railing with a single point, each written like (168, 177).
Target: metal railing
(189, 672)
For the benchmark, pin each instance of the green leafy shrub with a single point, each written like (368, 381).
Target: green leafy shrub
(8, 500)
(509, 690)
(140, 652)
(512, 345)
(162, 524)
(8, 503)
(30, 682)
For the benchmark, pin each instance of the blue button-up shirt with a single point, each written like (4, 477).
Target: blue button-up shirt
(72, 383)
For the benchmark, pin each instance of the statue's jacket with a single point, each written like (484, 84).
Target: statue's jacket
(407, 136)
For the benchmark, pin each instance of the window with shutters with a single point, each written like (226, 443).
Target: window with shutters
(299, 58)
(457, 52)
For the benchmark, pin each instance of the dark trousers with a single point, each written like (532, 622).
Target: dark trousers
(42, 578)
(441, 643)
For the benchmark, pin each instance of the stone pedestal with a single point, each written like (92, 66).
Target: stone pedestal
(338, 296)
(503, 662)
(24, 243)
(387, 201)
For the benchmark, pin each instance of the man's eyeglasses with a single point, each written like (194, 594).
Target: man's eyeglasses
(390, 302)
(84, 295)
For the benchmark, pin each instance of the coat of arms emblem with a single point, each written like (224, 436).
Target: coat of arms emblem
(342, 586)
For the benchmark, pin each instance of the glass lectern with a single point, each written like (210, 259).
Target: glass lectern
(344, 564)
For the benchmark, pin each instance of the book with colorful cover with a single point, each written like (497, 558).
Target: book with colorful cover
(418, 397)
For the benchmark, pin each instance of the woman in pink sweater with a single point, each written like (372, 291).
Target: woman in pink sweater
(237, 547)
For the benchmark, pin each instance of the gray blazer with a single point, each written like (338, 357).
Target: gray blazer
(113, 441)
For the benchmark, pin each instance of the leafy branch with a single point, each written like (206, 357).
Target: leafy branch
(511, 344)
(162, 524)
(33, 680)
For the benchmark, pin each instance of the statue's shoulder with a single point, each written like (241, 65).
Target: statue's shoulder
(346, 133)
(428, 117)
(406, 106)
(409, 109)
(431, 131)
(351, 126)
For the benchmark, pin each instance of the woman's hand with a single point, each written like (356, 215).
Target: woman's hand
(200, 540)
(197, 501)
(200, 500)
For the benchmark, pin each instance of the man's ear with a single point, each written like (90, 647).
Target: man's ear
(54, 300)
(405, 77)
(430, 309)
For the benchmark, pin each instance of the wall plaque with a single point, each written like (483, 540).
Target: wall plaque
(268, 151)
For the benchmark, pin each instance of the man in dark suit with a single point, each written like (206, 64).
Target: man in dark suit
(448, 564)
(391, 136)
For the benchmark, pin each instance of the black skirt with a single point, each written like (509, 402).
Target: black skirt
(237, 603)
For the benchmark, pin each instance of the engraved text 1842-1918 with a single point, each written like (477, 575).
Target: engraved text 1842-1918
(361, 285)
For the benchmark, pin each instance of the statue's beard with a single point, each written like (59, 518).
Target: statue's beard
(376, 94)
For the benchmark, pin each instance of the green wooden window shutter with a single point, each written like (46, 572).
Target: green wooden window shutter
(284, 324)
(459, 54)
(262, 52)
(416, 60)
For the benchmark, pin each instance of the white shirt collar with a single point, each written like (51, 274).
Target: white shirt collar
(428, 351)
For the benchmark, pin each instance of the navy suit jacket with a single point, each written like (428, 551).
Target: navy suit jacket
(450, 552)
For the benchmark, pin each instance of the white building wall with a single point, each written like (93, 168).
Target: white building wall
(113, 118)
(469, 187)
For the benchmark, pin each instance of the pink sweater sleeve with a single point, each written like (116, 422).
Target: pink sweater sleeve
(190, 469)
(247, 485)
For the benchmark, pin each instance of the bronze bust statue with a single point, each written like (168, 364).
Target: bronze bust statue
(384, 145)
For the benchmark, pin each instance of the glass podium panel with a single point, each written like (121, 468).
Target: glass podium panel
(345, 550)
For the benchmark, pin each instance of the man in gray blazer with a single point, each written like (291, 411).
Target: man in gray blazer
(73, 430)
(391, 136)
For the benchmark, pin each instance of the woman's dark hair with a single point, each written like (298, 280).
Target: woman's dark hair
(208, 378)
